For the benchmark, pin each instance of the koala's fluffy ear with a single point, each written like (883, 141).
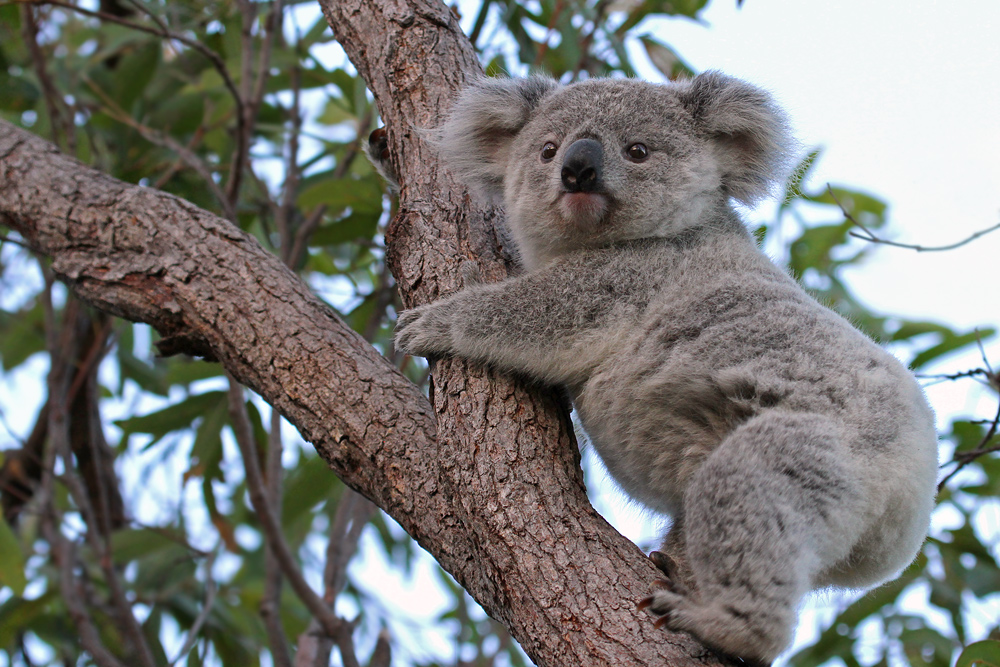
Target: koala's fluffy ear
(475, 139)
(750, 132)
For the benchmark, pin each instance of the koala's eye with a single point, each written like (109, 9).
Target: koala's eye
(549, 151)
(637, 152)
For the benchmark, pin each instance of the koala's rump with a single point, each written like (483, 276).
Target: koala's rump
(716, 352)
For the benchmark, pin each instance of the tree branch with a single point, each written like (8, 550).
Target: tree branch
(869, 235)
(498, 439)
(487, 479)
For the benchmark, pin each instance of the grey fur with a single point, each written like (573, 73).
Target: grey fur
(792, 452)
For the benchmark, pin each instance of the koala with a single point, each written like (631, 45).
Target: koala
(791, 451)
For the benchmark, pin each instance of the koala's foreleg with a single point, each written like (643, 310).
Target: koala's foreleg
(540, 324)
(771, 507)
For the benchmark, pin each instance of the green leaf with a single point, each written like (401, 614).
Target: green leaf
(319, 32)
(981, 653)
(799, 175)
(128, 545)
(347, 230)
(179, 114)
(18, 614)
(688, 8)
(359, 195)
(207, 448)
(184, 370)
(150, 378)
(813, 249)
(665, 59)
(22, 334)
(347, 85)
(951, 343)
(172, 418)
(307, 486)
(335, 112)
(912, 329)
(134, 72)
(18, 94)
(11, 560)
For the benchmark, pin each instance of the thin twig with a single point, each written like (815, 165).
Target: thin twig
(166, 141)
(291, 184)
(270, 524)
(965, 458)
(870, 236)
(206, 609)
(382, 655)
(61, 347)
(986, 361)
(252, 89)
(64, 557)
(303, 234)
(7, 239)
(353, 513)
(54, 104)
(953, 376)
(270, 604)
(217, 62)
(196, 138)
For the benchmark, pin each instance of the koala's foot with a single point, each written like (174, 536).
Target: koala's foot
(720, 627)
(669, 567)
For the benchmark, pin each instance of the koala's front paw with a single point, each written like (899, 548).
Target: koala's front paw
(423, 331)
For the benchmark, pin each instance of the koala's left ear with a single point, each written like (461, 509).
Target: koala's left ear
(749, 130)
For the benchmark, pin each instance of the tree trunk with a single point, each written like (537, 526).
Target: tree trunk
(486, 476)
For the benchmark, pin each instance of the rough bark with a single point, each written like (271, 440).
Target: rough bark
(487, 480)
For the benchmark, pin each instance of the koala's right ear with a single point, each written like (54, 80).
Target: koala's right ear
(475, 139)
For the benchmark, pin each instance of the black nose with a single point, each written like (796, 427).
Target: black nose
(583, 166)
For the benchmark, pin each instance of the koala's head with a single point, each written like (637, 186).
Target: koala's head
(606, 160)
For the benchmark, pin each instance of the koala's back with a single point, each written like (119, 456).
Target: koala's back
(727, 337)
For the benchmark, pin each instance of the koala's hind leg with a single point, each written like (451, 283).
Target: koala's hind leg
(771, 507)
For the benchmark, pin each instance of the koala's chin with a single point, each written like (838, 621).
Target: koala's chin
(791, 451)
(585, 209)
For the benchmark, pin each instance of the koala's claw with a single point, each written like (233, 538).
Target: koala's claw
(668, 567)
(406, 318)
(664, 563)
(661, 621)
(665, 584)
(663, 602)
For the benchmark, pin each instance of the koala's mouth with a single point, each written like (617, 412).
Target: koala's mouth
(583, 208)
